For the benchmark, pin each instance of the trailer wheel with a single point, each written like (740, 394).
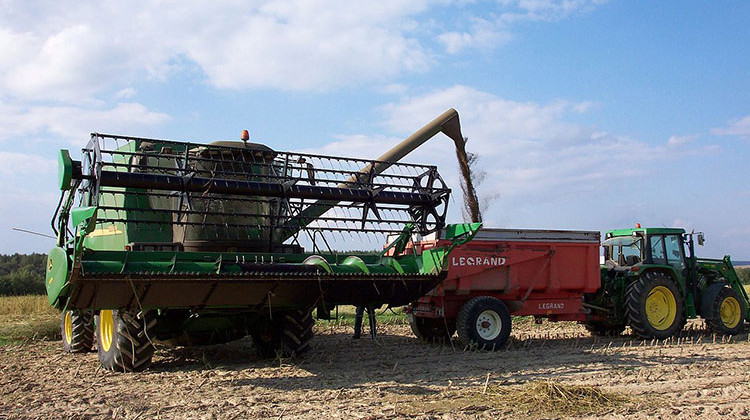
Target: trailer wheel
(288, 335)
(604, 329)
(722, 309)
(77, 327)
(484, 322)
(654, 306)
(124, 340)
(432, 329)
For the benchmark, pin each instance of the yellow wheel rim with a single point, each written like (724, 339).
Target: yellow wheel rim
(730, 312)
(68, 327)
(661, 308)
(106, 329)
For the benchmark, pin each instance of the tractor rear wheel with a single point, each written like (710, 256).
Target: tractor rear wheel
(77, 327)
(288, 335)
(722, 309)
(124, 340)
(604, 329)
(654, 306)
(484, 323)
(432, 329)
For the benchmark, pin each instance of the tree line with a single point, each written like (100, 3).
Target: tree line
(22, 274)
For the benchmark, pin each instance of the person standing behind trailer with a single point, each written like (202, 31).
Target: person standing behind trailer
(358, 321)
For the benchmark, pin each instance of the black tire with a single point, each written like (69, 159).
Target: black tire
(288, 335)
(432, 329)
(484, 323)
(723, 309)
(77, 328)
(604, 329)
(654, 306)
(124, 340)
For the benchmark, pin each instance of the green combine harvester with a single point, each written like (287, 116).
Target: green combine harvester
(196, 244)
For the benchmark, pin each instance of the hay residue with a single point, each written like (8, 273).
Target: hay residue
(551, 398)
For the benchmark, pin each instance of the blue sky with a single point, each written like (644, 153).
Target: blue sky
(586, 114)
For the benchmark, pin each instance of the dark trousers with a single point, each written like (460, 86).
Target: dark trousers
(358, 320)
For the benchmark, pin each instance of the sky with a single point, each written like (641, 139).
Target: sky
(585, 114)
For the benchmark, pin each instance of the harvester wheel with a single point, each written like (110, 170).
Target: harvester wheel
(484, 323)
(604, 329)
(77, 328)
(288, 335)
(654, 306)
(432, 329)
(722, 309)
(124, 340)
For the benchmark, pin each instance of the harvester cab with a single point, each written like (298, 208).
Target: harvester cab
(201, 243)
(653, 281)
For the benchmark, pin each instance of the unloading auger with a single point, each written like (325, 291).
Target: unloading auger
(202, 243)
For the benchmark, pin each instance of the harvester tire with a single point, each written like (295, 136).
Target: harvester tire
(484, 323)
(77, 327)
(604, 329)
(654, 306)
(723, 309)
(288, 335)
(124, 340)
(432, 329)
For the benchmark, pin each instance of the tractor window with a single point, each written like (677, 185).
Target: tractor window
(674, 252)
(657, 250)
(623, 250)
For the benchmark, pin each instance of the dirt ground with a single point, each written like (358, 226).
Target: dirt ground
(396, 376)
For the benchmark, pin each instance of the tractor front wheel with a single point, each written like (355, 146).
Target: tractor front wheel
(654, 306)
(77, 327)
(722, 309)
(484, 323)
(124, 340)
(432, 329)
(288, 335)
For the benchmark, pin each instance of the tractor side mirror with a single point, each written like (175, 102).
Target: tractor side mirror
(701, 239)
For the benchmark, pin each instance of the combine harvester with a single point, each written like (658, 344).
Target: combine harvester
(201, 243)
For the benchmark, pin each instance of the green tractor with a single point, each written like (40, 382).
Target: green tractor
(653, 282)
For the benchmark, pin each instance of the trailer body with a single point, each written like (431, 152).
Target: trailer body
(544, 273)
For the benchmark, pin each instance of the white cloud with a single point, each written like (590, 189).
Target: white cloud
(125, 93)
(22, 164)
(75, 123)
(739, 127)
(678, 141)
(71, 51)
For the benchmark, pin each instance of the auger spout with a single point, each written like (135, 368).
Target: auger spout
(448, 123)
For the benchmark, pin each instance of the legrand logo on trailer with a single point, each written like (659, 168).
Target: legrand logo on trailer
(472, 261)
(551, 305)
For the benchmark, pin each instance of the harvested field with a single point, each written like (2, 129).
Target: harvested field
(549, 370)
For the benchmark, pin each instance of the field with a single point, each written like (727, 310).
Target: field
(548, 370)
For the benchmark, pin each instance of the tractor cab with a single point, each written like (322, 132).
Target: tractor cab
(671, 248)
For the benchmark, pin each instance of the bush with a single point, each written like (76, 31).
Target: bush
(22, 274)
(744, 273)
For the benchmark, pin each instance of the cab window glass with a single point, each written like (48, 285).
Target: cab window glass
(657, 250)
(674, 251)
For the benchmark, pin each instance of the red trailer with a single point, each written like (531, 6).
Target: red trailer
(503, 272)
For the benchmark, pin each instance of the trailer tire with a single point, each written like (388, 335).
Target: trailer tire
(723, 309)
(604, 329)
(654, 306)
(432, 329)
(77, 328)
(484, 323)
(124, 340)
(287, 336)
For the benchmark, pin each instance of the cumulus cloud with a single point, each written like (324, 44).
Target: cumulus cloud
(74, 123)
(70, 51)
(739, 127)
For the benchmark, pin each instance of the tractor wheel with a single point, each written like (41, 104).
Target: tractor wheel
(124, 340)
(722, 309)
(432, 329)
(484, 323)
(77, 328)
(604, 329)
(654, 306)
(288, 335)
